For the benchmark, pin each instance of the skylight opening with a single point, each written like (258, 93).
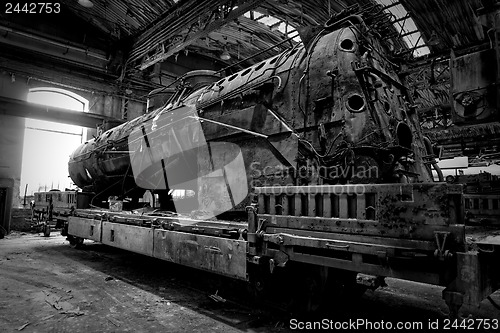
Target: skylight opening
(406, 27)
(274, 24)
(268, 20)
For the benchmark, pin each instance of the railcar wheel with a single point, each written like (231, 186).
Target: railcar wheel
(320, 289)
(309, 290)
(75, 242)
(343, 288)
(258, 283)
(314, 287)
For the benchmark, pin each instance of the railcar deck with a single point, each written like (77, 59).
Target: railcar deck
(412, 232)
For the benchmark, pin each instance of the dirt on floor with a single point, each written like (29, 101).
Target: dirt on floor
(46, 286)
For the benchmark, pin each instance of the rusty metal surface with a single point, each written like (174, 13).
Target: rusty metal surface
(196, 249)
(414, 230)
(474, 95)
(356, 264)
(374, 246)
(332, 111)
(128, 237)
(84, 228)
(223, 256)
(392, 205)
(362, 230)
(172, 222)
(475, 278)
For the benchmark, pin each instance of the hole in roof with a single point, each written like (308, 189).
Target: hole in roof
(233, 77)
(259, 66)
(406, 26)
(221, 81)
(387, 107)
(273, 60)
(246, 71)
(275, 24)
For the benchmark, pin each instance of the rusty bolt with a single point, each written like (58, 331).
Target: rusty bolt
(280, 239)
(331, 73)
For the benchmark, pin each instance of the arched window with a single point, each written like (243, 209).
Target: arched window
(47, 145)
(58, 98)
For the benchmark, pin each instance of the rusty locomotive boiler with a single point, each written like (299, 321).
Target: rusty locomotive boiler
(332, 111)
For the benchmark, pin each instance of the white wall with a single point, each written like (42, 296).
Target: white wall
(12, 132)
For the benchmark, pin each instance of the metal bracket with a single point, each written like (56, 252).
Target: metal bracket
(252, 228)
(274, 238)
(280, 259)
(356, 67)
(440, 252)
(254, 259)
(241, 231)
(271, 265)
(262, 225)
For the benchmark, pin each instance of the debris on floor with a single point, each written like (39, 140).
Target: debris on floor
(20, 328)
(217, 298)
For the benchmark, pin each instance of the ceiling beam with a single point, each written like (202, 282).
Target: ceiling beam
(30, 38)
(193, 37)
(19, 108)
(170, 24)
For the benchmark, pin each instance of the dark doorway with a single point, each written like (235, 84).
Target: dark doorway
(3, 221)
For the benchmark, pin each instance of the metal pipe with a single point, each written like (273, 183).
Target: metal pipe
(256, 54)
(52, 131)
(392, 5)
(118, 152)
(46, 40)
(336, 24)
(428, 147)
(232, 127)
(402, 18)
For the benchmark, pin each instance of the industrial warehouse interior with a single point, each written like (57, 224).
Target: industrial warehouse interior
(249, 166)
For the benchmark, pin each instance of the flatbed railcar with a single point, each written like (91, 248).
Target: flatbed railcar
(310, 166)
(335, 233)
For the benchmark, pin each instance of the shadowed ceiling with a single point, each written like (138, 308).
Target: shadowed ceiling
(126, 37)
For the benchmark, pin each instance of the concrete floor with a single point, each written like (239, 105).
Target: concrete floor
(46, 286)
